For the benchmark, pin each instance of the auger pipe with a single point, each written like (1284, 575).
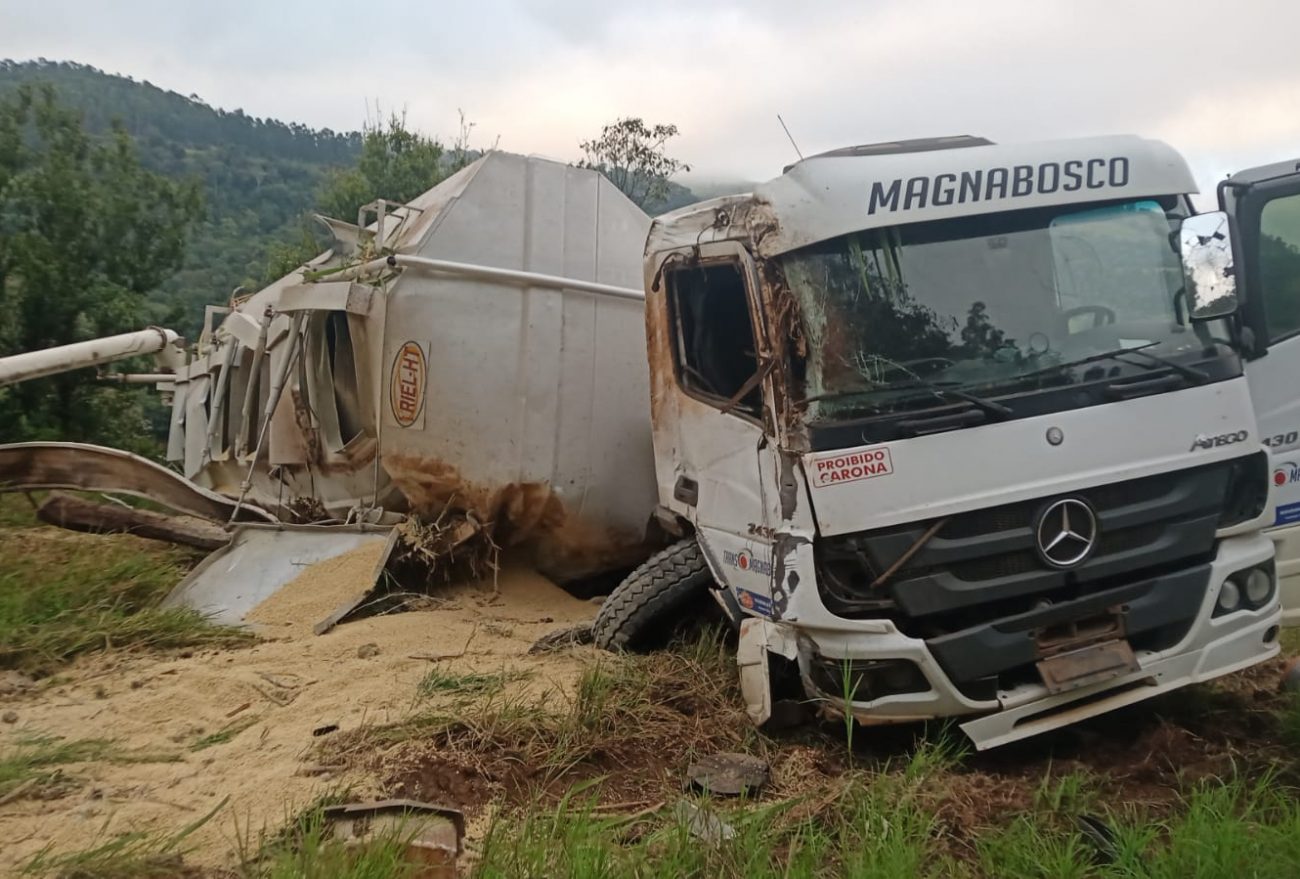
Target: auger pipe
(93, 352)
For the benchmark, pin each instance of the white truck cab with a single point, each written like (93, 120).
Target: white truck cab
(1265, 205)
(947, 425)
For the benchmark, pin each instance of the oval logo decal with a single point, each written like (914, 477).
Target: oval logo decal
(406, 386)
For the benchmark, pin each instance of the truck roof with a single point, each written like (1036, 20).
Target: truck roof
(856, 188)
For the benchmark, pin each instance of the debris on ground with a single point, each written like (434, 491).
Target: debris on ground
(367, 651)
(703, 823)
(451, 547)
(729, 774)
(78, 514)
(433, 835)
(1291, 676)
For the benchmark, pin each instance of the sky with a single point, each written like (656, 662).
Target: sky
(1219, 81)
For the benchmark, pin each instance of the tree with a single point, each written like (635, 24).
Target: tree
(85, 234)
(396, 164)
(631, 154)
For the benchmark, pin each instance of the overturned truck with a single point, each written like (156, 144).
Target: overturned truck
(947, 428)
(478, 352)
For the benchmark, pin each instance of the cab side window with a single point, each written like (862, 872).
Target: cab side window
(713, 335)
(1279, 266)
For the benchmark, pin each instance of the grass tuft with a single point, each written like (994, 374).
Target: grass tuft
(225, 734)
(136, 855)
(62, 595)
(33, 766)
(441, 682)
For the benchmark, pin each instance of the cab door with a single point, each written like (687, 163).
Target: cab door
(1264, 203)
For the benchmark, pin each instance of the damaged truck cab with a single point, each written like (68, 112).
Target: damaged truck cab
(961, 429)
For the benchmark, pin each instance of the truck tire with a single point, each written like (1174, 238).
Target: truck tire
(647, 605)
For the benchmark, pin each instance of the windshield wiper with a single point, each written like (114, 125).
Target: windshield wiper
(937, 389)
(1192, 373)
(1091, 358)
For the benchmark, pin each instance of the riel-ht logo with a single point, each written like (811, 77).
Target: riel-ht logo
(406, 386)
(1223, 439)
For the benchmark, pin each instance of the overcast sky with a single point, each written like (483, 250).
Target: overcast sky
(1220, 81)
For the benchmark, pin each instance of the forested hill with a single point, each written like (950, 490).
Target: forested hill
(259, 175)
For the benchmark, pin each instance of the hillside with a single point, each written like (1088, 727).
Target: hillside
(259, 175)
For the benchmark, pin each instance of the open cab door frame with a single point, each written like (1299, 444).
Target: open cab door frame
(1264, 204)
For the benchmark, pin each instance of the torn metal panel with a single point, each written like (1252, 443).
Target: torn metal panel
(433, 836)
(345, 296)
(757, 639)
(83, 467)
(259, 560)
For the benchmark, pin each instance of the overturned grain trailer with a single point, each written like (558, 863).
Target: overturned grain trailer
(480, 350)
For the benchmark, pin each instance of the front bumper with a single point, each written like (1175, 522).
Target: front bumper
(1210, 648)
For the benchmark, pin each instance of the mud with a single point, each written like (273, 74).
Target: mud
(566, 547)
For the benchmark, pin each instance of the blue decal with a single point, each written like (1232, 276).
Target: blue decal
(1287, 513)
(760, 604)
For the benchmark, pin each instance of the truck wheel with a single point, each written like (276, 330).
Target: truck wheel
(647, 606)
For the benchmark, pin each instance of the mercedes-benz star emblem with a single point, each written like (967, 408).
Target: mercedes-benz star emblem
(1067, 532)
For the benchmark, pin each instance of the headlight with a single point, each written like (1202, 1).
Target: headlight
(1250, 589)
(1259, 586)
(1229, 597)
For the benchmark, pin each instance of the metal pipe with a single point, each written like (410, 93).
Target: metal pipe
(487, 273)
(139, 378)
(79, 355)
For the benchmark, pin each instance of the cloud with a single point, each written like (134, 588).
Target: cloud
(545, 75)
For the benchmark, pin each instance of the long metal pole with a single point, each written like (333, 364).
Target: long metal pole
(78, 355)
(487, 273)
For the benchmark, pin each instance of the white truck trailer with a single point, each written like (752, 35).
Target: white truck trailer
(962, 430)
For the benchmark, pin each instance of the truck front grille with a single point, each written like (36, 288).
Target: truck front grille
(983, 567)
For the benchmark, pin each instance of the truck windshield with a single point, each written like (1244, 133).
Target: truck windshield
(989, 302)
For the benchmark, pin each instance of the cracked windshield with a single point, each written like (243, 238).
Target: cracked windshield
(981, 303)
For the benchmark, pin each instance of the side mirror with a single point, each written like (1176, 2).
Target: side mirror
(1208, 273)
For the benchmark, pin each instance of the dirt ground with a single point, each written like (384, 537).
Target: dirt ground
(159, 708)
(237, 727)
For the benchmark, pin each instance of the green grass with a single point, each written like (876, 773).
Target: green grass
(225, 734)
(135, 855)
(1222, 830)
(64, 594)
(34, 762)
(311, 852)
(882, 825)
(441, 682)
